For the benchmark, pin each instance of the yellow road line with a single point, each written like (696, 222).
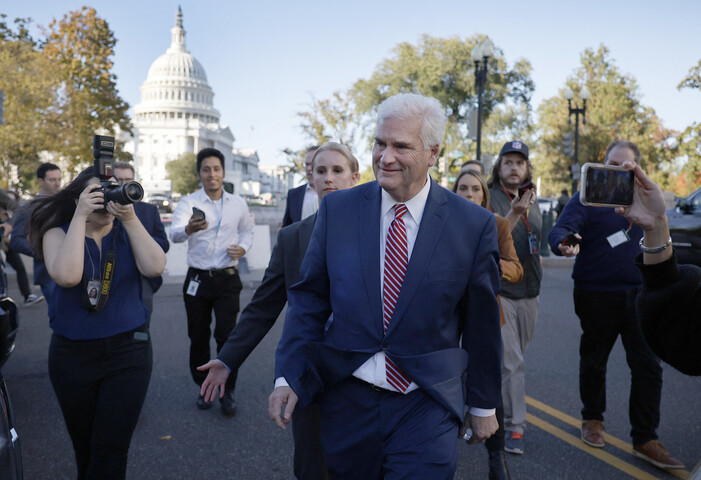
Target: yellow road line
(602, 455)
(610, 439)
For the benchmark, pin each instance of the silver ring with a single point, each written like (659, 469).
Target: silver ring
(468, 435)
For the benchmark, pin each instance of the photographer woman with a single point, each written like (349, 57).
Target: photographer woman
(100, 356)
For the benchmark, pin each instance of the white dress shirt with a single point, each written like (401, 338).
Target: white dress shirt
(229, 223)
(310, 204)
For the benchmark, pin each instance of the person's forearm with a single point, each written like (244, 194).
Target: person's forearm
(149, 256)
(512, 217)
(656, 237)
(65, 264)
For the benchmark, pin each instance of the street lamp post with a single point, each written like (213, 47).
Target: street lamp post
(480, 55)
(576, 111)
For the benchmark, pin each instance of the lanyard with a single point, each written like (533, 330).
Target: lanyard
(107, 276)
(221, 215)
(524, 217)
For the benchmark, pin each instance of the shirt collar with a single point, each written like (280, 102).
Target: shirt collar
(202, 196)
(415, 205)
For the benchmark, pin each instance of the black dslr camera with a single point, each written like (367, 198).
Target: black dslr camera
(130, 192)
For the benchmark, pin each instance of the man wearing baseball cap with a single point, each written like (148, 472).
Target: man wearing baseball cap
(519, 301)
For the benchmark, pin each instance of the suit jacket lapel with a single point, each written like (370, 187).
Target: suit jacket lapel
(368, 216)
(432, 223)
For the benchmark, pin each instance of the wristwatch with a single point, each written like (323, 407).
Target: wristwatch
(654, 249)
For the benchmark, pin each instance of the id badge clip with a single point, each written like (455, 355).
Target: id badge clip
(618, 238)
(193, 286)
(533, 243)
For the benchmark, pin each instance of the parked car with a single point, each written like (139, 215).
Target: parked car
(685, 228)
(10, 451)
(164, 203)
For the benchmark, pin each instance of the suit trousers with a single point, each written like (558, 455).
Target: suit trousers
(101, 386)
(308, 456)
(219, 293)
(520, 317)
(603, 317)
(372, 434)
(15, 262)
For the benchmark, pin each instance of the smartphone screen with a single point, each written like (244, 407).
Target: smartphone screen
(607, 185)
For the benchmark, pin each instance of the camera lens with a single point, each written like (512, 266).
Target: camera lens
(130, 192)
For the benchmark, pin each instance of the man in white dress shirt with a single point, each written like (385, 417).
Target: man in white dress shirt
(219, 231)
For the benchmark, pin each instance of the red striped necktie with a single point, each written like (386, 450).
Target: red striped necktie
(396, 260)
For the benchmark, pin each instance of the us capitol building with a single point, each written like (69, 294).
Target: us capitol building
(177, 115)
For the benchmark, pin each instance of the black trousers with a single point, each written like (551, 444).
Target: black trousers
(219, 293)
(15, 261)
(101, 386)
(603, 317)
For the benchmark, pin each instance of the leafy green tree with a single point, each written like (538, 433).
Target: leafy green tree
(614, 111)
(443, 68)
(331, 119)
(28, 81)
(688, 145)
(81, 45)
(182, 173)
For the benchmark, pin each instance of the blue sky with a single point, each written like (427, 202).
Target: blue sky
(265, 59)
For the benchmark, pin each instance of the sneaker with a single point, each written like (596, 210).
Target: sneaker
(593, 433)
(32, 299)
(513, 443)
(655, 453)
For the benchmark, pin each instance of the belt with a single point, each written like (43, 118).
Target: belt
(228, 271)
(371, 386)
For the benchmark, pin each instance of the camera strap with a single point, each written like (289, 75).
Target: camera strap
(107, 276)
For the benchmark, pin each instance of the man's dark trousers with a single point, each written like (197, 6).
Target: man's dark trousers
(414, 436)
(604, 316)
(219, 292)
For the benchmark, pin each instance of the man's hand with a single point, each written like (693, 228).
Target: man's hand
(482, 428)
(216, 378)
(235, 252)
(519, 205)
(570, 250)
(281, 404)
(195, 225)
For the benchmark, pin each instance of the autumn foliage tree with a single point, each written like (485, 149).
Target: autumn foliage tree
(81, 45)
(614, 111)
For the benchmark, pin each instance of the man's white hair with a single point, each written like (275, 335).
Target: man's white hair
(404, 106)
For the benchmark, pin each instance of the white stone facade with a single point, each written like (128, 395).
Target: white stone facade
(176, 116)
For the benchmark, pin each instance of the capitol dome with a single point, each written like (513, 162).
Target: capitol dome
(176, 85)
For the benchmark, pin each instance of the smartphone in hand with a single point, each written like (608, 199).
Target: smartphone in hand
(197, 213)
(607, 186)
(524, 188)
(570, 240)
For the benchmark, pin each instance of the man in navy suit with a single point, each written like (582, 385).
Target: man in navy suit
(151, 220)
(386, 353)
(302, 201)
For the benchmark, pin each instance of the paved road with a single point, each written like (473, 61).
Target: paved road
(174, 440)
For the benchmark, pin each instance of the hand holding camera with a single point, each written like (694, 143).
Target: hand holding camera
(90, 200)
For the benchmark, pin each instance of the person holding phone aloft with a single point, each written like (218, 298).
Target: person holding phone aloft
(606, 282)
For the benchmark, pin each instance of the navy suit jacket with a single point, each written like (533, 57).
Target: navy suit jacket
(445, 330)
(151, 220)
(293, 208)
(270, 297)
